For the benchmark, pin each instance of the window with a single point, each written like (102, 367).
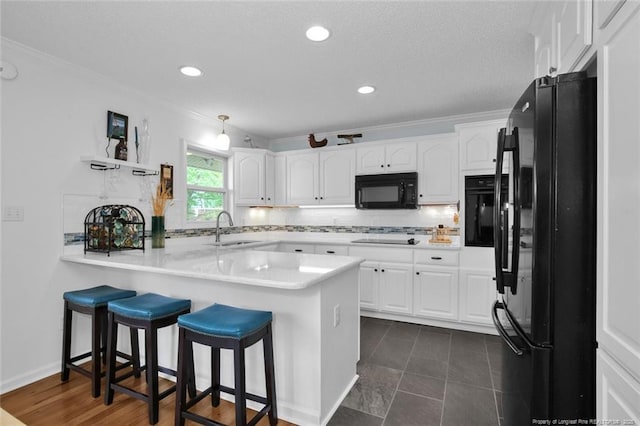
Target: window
(206, 185)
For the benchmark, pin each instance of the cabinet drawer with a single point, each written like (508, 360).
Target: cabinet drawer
(434, 257)
(400, 255)
(331, 249)
(296, 248)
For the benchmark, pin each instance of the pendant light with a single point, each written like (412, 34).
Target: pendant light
(223, 141)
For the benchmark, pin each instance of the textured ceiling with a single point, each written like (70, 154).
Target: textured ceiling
(427, 59)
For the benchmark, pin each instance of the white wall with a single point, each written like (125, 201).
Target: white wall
(53, 113)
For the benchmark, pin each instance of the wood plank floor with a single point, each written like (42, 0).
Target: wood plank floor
(51, 402)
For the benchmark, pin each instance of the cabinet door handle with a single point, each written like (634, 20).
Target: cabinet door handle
(375, 270)
(262, 198)
(331, 252)
(436, 258)
(388, 165)
(417, 273)
(381, 165)
(268, 198)
(420, 195)
(322, 198)
(316, 198)
(381, 270)
(298, 250)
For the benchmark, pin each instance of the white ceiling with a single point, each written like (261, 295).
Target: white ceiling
(427, 59)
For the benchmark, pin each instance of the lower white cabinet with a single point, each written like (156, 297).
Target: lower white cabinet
(477, 294)
(618, 395)
(396, 283)
(386, 287)
(435, 292)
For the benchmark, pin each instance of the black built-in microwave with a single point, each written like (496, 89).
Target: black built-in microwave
(387, 191)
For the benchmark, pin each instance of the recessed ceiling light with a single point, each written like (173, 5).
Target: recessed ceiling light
(191, 71)
(365, 90)
(317, 33)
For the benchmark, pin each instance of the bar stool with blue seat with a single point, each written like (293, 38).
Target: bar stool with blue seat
(225, 327)
(149, 312)
(92, 301)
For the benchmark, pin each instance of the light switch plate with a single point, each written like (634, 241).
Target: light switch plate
(13, 214)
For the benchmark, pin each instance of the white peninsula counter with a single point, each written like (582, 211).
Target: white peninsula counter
(314, 300)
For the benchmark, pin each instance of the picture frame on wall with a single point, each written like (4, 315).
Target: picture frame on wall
(117, 125)
(166, 176)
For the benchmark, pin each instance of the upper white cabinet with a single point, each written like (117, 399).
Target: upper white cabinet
(574, 32)
(478, 145)
(326, 177)
(605, 10)
(254, 178)
(563, 32)
(391, 157)
(438, 170)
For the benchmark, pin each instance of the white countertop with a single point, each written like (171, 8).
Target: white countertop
(242, 266)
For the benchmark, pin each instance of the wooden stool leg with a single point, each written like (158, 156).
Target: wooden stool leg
(135, 351)
(181, 398)
(215, 377)
(240, 391)
(112, 337)
(103, 334)
(269, 373)
(96, 342)
(66, 342)
(151, 338)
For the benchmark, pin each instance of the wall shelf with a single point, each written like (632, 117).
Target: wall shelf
(104, 163)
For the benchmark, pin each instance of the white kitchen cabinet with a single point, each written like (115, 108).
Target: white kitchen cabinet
(369, 285)
(391, 157)
(438, 170)
(386, 278)
(477, 295)
(386, 287)
(254, 179)
(605, 10)
(574, 32)
(297, 248)
(435, 292)
(478, 144)
(337, 176)
(563, 33)
(302, 179)
(331, 249)
(618, 396)
(396, 283)
(618, 292)
(321, 178)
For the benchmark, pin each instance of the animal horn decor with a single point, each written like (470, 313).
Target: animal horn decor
(314, 143)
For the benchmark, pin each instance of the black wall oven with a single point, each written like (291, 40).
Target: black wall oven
(387, 191)
(479, 203)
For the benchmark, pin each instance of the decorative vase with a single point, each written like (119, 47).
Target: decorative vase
(157, 232)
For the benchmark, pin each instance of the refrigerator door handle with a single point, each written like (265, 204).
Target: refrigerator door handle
(503, 333)
(498, 214)
(505, 277)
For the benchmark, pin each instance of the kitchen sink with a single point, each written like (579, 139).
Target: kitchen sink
(409, 242)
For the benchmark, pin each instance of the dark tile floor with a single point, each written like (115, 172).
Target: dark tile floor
(419, 375)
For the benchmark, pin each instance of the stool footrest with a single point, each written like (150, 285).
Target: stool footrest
(200, 419)
(256, 398)
(79, 357)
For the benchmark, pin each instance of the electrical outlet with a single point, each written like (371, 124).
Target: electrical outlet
(336, 315)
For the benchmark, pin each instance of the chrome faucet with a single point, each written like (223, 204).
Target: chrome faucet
(218, 223)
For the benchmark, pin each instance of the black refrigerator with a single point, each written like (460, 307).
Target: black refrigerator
(546, 276)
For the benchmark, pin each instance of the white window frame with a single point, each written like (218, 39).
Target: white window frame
(202, 150)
